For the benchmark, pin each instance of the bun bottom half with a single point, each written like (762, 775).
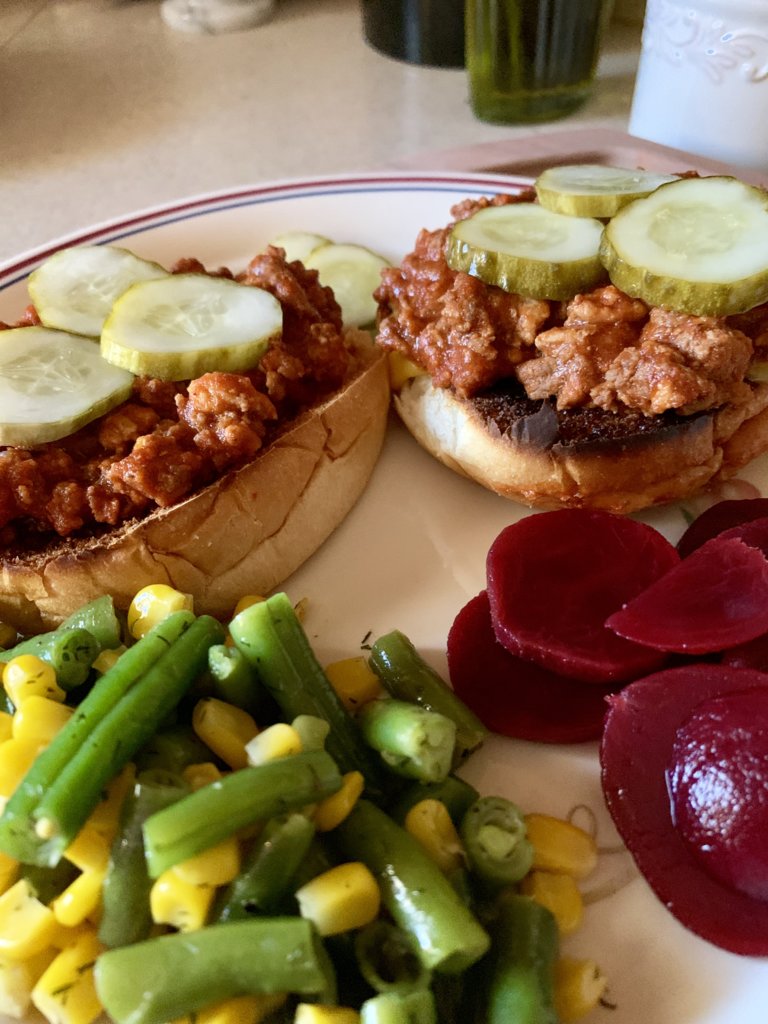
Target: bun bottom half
(244, 534)
(526, 451)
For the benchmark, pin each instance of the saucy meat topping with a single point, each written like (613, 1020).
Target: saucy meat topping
(171, 438)
(601, 350)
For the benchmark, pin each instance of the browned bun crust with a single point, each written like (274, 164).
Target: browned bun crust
(525, 451)
(244, 534)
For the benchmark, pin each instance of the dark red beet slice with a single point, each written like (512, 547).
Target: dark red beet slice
(719, 517)
(635, 754)
(715, 598)
(752, 654)
(718, 787)
(554, 578)
(515, 697)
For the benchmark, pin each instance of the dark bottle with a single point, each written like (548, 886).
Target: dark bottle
(532, 60)
(417, 31)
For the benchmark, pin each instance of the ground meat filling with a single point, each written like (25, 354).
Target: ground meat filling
(602, 350)
(171, 438)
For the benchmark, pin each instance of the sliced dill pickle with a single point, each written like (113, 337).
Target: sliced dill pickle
(52, 383)
(695, 245)
(594, 190)
(526, 249)
(354, 273)
(74, 289)
(297, 245)
(183, 325)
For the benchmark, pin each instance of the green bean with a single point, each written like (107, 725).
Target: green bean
(172, 749)
(398, 1008)
(273, 640)
(412, 741)
(70, 652)
(416, 893)
(407, 676)
(235, 681)
(388, 959)
(162, 979)
(496, 842)
(216, 811)
(517, 975)
(126, 916)
(64, 807)
(18, 836)
(48, 883)
(457, 795)
(266, 876)
(313, 731)
(73, 646)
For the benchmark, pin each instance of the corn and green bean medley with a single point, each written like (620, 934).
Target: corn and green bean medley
(200, 823)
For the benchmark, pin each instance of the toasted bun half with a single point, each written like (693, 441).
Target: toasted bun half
(245, 533)
(524, 450)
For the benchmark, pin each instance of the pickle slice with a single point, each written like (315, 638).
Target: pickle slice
(696, 245)
(526, 249)
(354, 273)
(52, 383)
(297, 245)
(594, 190)
(183, 325)
(74, 289)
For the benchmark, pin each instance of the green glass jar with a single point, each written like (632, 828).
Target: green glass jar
(532, 60)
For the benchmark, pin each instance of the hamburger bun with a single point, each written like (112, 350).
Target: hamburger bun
(527, 451)
(244, 533)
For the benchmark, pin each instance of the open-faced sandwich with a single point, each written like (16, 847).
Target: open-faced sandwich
(212, 439)
(597, 341)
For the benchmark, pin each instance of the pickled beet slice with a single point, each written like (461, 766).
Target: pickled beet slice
(720, 517)
(715, 598)
(718, 788)
(553, 579)
(636, 755)
(514, 697)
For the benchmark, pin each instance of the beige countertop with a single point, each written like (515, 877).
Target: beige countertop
(104, 109)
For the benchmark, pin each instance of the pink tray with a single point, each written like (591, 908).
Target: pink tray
(530, 154)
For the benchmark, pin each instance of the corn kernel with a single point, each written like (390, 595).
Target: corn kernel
(218, 865)
(6, 726)
(17, 979)
(40, 718)
(105, 817)
(279, 740)
(80, 899)
(246, 602)
(314, 1013)
(198, 775)
(401, 370)
(579, 987)
(431, 826)
(331, 811)
(251, 1009)
(343, 898)
(26, 675)
(354, 681)
(559, 894)
(16, 757)
(560, 846)
(89, 850)
(224, 728)
(174, 902)
(9, 870)
(66, 992)
(27, 926)
(105, 660)
(152, 604)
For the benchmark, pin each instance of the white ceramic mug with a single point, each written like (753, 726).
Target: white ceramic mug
(702, 83)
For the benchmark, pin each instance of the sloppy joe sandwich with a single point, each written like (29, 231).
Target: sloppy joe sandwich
(196, 428)
(598, 341)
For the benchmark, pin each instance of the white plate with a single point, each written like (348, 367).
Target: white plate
(412, 552)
